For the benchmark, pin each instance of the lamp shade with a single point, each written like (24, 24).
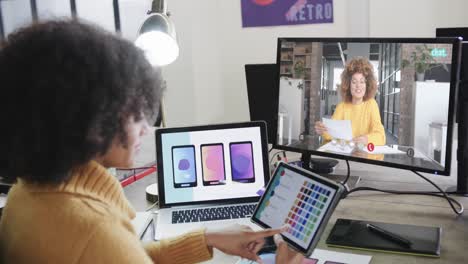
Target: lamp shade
(157, 38)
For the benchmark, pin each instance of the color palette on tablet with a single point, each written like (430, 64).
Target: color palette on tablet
(306, 210)
(295, 200)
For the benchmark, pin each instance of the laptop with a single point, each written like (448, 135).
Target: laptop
(209, 175)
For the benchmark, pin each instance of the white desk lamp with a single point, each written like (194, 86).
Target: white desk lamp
(157, 36)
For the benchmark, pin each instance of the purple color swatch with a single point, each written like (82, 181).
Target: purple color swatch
(184, 164)
(242, 161)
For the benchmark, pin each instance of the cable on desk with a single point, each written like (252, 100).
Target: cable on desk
(152, 206)
(436, 194)
(440, 193)
(348, 174)
(137, 168)
(276, 154)
(443, 194)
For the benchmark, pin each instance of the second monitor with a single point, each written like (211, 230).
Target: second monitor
(262, 91)
(382, 101)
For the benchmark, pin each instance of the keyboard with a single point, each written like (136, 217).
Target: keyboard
(212, 213)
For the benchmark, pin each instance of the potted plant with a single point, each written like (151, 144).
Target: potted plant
(299, 69)
(421, 59)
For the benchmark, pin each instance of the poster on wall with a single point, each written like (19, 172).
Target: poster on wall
(260, 13)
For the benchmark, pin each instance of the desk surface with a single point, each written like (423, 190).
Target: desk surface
(400, 209)
(416, 159)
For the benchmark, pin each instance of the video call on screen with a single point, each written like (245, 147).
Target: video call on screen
(411, 102)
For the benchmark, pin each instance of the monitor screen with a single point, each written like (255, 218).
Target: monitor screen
(262, 91)
(382, 101)
(212, 163)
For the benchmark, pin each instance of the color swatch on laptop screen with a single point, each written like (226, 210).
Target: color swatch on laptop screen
(297, 201)
(242, 165)
(183, 166)
(213, 164)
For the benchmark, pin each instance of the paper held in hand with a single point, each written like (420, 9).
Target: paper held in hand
(339, 129)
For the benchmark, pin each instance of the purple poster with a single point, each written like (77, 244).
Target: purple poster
(258, 13)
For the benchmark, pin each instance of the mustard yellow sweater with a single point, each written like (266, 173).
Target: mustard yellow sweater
(365, 120)
(86, 220)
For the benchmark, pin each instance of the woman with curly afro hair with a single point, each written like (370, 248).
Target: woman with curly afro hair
(75, 101)
(358, 88)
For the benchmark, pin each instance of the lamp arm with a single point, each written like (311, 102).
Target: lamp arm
(158, 6)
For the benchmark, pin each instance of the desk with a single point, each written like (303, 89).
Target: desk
(400, 209)
(416, 159)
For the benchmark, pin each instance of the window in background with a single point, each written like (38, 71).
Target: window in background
(389, 91)
(99, 12)
(51, 9)
(15, 14)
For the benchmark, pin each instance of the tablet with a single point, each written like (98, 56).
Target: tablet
(303, 200)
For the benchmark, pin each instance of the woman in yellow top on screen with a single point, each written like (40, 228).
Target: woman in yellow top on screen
(358, 88)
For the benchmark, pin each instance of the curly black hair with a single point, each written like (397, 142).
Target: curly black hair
(67, 90)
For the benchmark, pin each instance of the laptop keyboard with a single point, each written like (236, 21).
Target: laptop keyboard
(212, 213)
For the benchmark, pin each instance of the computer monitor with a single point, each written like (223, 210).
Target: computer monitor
(463, 33)
(262, 91)
(381, 101)
(461, 110)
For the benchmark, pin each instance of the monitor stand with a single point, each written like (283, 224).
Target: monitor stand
(462, 149)
(325, 168)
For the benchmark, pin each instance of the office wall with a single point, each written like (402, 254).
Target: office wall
(100, 12)
(415, 18)
(48, 9)
(207, 83)
(425, 94)
(17, 13)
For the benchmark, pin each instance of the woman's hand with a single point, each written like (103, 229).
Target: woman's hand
(284, 254)
(239, 240)
(320, 128)
(361, 139)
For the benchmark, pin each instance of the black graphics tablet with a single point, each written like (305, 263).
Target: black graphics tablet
(410, 239)
(301, 199)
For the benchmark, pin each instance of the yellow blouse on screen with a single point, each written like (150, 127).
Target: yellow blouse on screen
(365, 120)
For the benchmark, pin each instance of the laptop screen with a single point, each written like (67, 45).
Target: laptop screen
(211, 164)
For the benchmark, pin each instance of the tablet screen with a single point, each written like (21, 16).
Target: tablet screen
(297, 198)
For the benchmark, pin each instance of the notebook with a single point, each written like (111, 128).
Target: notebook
(424, 240)
(209, 175)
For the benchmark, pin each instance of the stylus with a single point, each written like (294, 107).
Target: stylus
(389, 235)
(147, 226)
